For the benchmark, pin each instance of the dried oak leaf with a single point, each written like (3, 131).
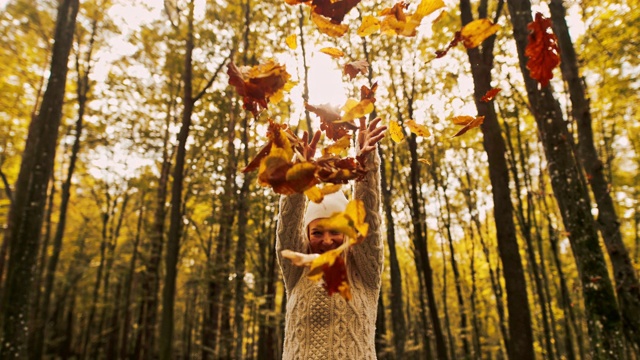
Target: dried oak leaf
(335, 10)
(329, 117)
(491, 94)
(542, 50)
(356, 67)
(396, 22)
(337, 170)
(469, 122)
(259, 84)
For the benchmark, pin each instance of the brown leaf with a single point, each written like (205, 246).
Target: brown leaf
(469, 122)
(369, 94)
(335, 10)
(258, 84)
(335, 279)
(329, 121)
(491, 93)
(356, 67)
(542, 50)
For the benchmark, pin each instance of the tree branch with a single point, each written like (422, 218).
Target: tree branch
(7, 187)
(214, 76)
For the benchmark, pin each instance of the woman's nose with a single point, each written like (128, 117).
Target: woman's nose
(327, 238)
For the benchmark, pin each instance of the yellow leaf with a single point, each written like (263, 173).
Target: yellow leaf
(425, 8)
(370, 24)
(350, 222)
(357, 212)
(419, 130)
(314, 194)
(331, 188)
(395, 130)
(339, 146)
(327, 27)
(425, 161)
(475, 32)
(299, 259)
(355, 110)
(292, 41)
(333, 52)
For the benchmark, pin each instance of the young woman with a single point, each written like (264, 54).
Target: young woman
(319, 326)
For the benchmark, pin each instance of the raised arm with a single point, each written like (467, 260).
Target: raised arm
(367, 257)
(290, 236)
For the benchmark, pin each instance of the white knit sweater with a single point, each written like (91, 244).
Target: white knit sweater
(318, 326)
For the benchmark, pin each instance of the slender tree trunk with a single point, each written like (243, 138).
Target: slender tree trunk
(305, 68)
(521, 336)
(173, 240)
(25, 216)
(626, 278)
(603, 318)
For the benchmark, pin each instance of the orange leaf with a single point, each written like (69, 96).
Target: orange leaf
(395, 130)
(542, 50)
(417, 129)
(257, 84)
(370, 24)
(397, 22)
(336, 170)
(327, 27)
(355, 67)
(333, 52)
(316, 194)
(475, 32)
(425, 161)
(491, 93)
(469, 122)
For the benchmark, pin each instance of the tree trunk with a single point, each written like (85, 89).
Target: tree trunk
(25, 216)
(521, 336)
(173, 240)
(603, 318)
(625, 276)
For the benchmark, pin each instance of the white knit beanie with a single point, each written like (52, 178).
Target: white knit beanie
(331, 204)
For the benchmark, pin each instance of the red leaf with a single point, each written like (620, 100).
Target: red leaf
(355, 67)
(334, 10)
(491, 93)
(456, 39)
(335, 279)
(542, 50)
(257, 84)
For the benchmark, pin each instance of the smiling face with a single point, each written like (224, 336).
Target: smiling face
(322, 240)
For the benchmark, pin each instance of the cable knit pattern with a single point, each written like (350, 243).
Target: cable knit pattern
(318, 326)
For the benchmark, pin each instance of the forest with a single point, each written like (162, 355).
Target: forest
(142, 163)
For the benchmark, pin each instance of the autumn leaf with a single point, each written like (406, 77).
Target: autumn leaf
(350, 222)
(425, 161)
(356, 67)
(317, 194)
(354, 109)
(456, 39)
(338, 147)
(327, 27)
(395, 21)
(335, 10)
(395, 130)
(337, 170)
(336, 280)
(419, 130)
(329, 116)
(491, 93)
(333, 52)
(255, 163)
(469, 122)
(258, 84)
(292, 41)
(542, 50)
(369, 94)
(475, 32)
(369, 25)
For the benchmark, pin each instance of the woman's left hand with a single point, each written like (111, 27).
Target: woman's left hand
(369, 136)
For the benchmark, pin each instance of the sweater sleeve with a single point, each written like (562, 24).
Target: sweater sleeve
(290, 236)
(367, 257)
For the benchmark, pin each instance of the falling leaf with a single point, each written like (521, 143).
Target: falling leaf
(338, 147)
(337, 170)
(335, 10)
(456, 39)
(255, 163)
(491, 93)
(317, 194)
(542, 50)
(292, 41)
(356, 67)
(419, 130)
(395, 130)
(333, 52)
(425, 161)
(355, 110)
(327, 27)
(475, 32)
(370, 25)
(469, 122)
(258, 83)
(395, 21)
(350, 222)
(329, 115)
(336, 280)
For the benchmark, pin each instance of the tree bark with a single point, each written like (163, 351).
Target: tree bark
(603, 318)
(625, 276)
(25, 216)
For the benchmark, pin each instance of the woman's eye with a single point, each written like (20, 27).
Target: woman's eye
(335, 233)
